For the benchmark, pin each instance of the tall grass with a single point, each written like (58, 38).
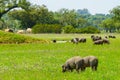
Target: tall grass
(44, 61)
(7, 37)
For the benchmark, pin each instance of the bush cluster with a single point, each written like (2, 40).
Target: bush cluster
(56, 28)
(89, 29)
(71, 29)
(47, 28)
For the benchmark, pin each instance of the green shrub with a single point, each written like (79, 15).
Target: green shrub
(47, 28)
(71, 29)
(89, 29)
(68, 29)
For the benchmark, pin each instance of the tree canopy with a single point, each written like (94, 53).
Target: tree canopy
(35, 15)
(116, 13)
(69, 20)
(7, 5)
(112, 24)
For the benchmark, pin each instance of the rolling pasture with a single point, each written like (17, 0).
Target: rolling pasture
(43, 61)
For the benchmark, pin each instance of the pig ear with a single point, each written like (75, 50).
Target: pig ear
(62, 66)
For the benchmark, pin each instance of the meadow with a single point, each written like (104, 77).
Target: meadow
(43, 61)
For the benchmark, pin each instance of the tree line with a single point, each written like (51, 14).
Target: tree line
(41, 20)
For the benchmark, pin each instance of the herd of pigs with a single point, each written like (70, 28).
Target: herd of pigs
(98, 40)
(81, 63)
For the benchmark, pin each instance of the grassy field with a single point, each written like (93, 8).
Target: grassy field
(44, 61)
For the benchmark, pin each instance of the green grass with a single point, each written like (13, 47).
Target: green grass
(8, 38)
(43, 61)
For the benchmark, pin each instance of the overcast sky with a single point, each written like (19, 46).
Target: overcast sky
(94, 6)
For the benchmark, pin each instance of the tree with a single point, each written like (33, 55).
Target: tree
(68, 29)
(35, 15)
(108, 25)
(83, 11)
(66, 17)
(1, 24)
(7, 5)
(81, 22)
(23, 17)
(113, 23)
(117, 25)
(43, 15)
(116, 13)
